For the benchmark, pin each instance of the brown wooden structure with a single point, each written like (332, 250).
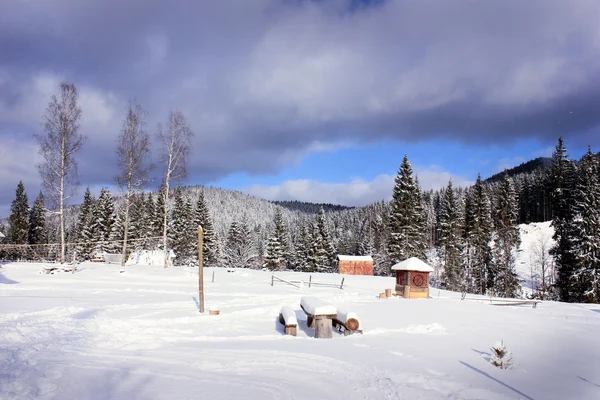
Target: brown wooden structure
(412, 278)
(355, 265)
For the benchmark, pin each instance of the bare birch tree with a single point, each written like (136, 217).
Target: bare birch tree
(175, 142)
(133, 160)
(58, 147)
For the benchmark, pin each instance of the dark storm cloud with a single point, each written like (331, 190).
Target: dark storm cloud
(263, 82)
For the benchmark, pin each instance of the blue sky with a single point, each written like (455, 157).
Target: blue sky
(304, 99)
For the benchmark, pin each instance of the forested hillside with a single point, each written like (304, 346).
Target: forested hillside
(468, 234)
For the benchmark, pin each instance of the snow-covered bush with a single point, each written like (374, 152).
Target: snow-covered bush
(501, 357)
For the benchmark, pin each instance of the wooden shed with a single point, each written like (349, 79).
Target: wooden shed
(412, 278)
(355, 265)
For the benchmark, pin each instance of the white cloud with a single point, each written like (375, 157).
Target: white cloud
(357, 192)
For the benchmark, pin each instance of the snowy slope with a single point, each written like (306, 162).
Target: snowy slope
(98, 334)
(536, 238)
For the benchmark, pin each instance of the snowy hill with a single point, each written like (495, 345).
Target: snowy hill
(98, 334)
(536, 241)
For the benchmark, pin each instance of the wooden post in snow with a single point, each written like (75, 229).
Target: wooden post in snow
(200, 269)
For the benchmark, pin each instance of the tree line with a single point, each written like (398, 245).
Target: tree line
(470, 235)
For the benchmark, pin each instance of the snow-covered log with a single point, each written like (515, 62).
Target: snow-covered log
(349, 320)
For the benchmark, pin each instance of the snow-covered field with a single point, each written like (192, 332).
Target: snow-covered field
(99, 334)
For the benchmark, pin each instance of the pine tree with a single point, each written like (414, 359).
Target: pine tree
(18, 221)
(159, 213)
(480, 236)
(202, 218)
(103, 220)
(450, 238)
(85, 227)
(277, 255)
(507, 241)
(149, 217)
(561, 181)
(240, 251)
(181, 234)
(304, 250)
(407, 220)
(37, 222)
(322, 256)
(587, 276)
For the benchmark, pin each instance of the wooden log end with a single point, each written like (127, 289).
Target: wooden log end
(352, 324)
(214, 312)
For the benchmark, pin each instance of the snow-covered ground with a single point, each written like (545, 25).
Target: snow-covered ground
(99, 334)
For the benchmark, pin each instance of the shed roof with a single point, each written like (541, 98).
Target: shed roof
(355, 258)
(412, 264)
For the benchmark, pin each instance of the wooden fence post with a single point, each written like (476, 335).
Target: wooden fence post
(342, 284)
(200, 269)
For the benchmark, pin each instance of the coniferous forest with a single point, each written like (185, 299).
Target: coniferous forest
(469, 234)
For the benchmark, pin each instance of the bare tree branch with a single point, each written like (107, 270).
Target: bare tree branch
(58, 147)
(176, 145)
(133, 160)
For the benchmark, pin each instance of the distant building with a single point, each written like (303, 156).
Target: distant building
(355, 265)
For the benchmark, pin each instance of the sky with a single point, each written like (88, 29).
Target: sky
(304, 99)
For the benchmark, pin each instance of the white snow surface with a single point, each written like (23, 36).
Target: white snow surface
(316, 306)
(354, 258)
(412, 264)
(100, 334)
(289, 315)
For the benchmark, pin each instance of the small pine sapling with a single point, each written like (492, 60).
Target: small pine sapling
(501, 357)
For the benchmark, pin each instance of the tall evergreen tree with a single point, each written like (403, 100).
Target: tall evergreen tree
(322, 253)
(85, 222)
(181, 234)
(480, 237)
(103, 220)
(450, 237)
(587, 276)
(37, 222)
(159, 214)
(407, 220)
(240, 251)
(18, 221)
(561, 181)
(277, 254)
(202, 218)
(507, 241)
(304, 250)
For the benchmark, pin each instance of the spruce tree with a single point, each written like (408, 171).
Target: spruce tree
(149, 216)
(561, 181)
(450, 237)
(322, 253)
(277, 255)
(181, 234)
(202, 218)
(159, 213)
(18, 228)
(507, 241)
(103, 220)
(37, 222)
(587, 276)
(407, 220)
(85, 221)
(240, 251)
(18, 221)
(304, 250)
(480, 236)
